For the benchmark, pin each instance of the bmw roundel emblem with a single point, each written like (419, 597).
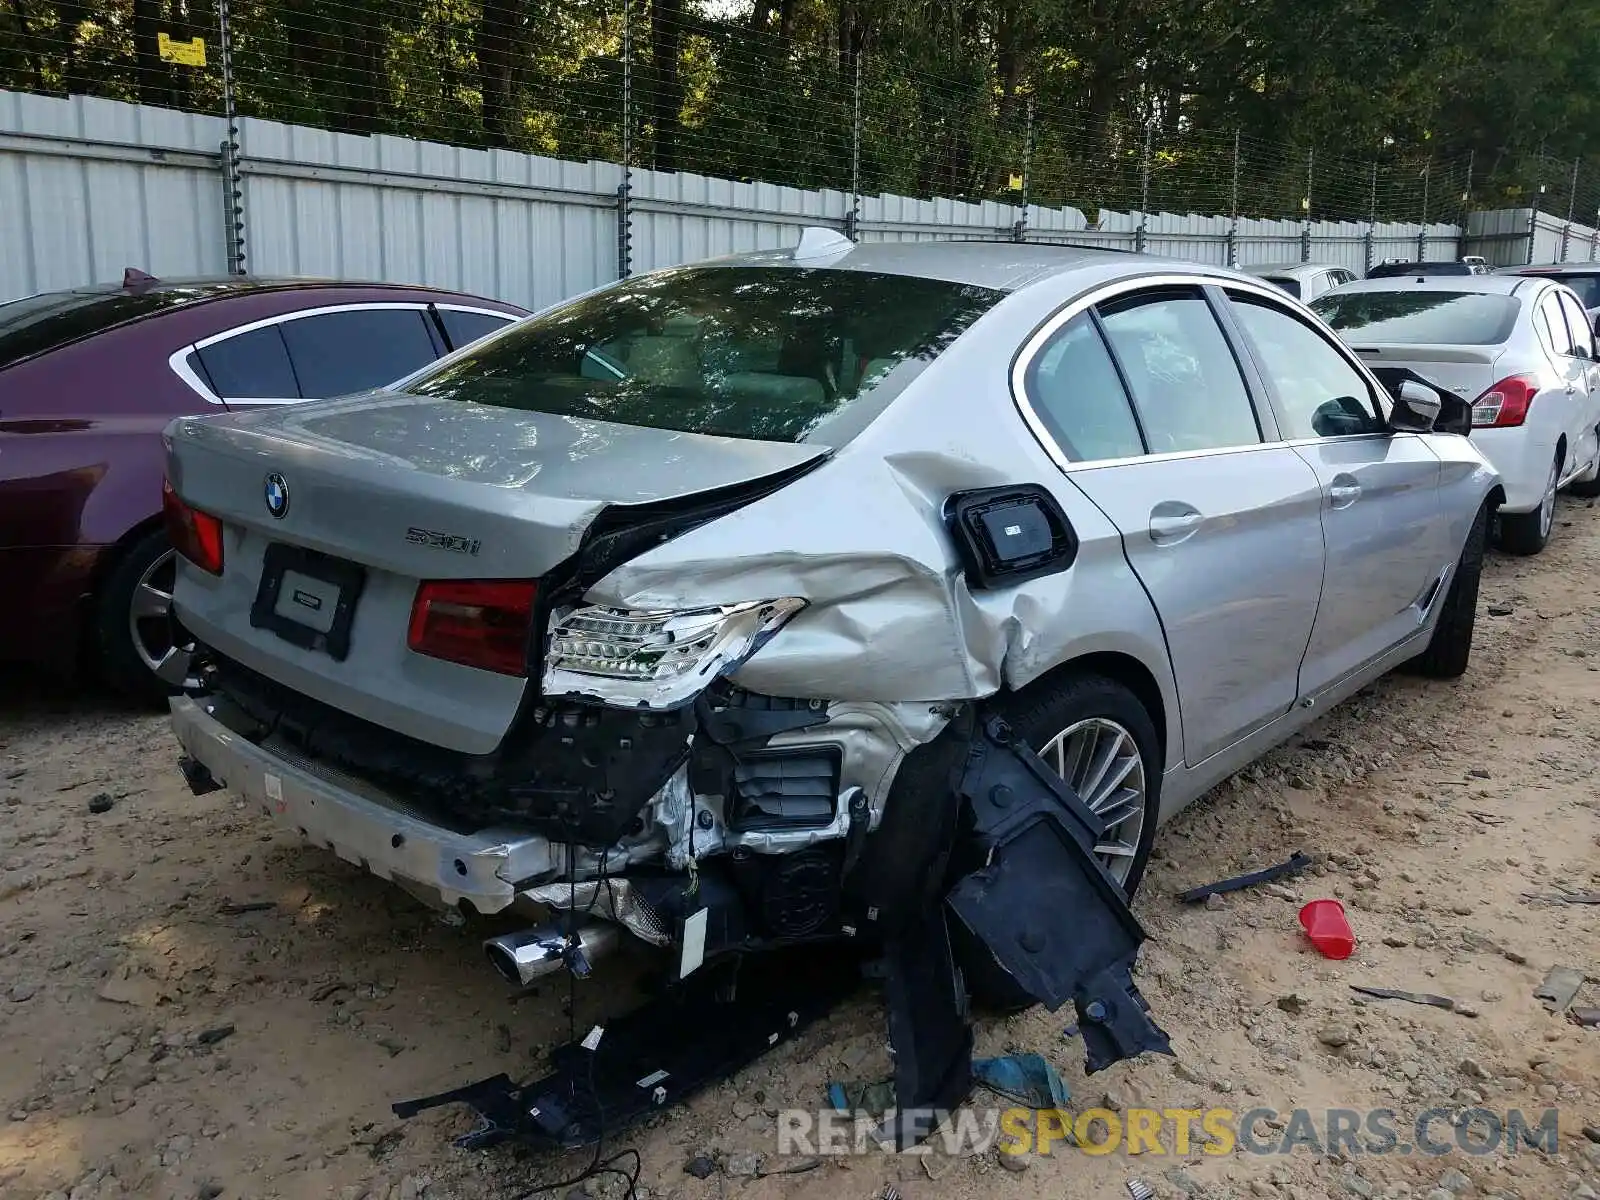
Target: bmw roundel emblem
(277, 492)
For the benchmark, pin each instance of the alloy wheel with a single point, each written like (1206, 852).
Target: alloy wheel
(159, 638)
(1100, 761)
(1547, 506)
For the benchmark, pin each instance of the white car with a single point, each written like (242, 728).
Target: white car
(1520, 350)
(1304, 281)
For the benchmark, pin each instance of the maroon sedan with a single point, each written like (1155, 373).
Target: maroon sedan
(88, 380)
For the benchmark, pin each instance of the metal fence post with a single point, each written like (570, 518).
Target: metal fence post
(1372, 218)
(1422, 232)
(625, 186)
(1141, 235)
(1533, 227)
(232, 178)
(1233, 208)
(1305, 232)
(1019, 231)
(1572, 202)
(852, 220)
(1594, 238)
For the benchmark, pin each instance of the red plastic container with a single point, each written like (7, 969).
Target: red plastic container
(1325, 924)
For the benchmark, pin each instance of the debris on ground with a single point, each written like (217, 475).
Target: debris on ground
(1560, 988)
(1296, 863)
(1426, 998)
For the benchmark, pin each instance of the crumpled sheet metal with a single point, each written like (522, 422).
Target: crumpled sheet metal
(863, 539)
(613, 899)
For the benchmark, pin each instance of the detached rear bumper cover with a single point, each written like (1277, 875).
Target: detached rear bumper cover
(359, 823)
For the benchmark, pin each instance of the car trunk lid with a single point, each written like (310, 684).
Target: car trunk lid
(1467, 371)
(353, 503)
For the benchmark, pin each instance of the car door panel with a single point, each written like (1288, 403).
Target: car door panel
(1387, 545)
(1383, 529)
(1229, 548)
(1584, 375)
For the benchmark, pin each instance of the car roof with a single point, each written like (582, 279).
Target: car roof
(1290, 269)
(1002, 266)
(1494, 285)
(49, 321)
(1589, 268)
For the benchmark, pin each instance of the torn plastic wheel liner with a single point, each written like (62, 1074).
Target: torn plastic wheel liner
(1041, 901)
(695, 1033)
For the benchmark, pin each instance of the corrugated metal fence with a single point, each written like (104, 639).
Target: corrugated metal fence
(90, 186)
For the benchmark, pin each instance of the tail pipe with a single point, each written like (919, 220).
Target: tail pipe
(531, 954)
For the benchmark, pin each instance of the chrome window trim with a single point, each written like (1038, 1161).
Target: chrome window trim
(1266, 291)
(179, 363)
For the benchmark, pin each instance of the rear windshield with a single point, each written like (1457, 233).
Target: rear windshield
(38, 324)
(1292, 286)
(770, 353)
(1420, 318)
(1393, 270)
(1587, 286)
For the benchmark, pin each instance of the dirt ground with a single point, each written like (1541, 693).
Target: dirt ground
(192, 1005)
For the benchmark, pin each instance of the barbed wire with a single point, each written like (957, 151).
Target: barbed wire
(743, 97)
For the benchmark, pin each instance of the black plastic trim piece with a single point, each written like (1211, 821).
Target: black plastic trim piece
(1039, 522)
(347, 576)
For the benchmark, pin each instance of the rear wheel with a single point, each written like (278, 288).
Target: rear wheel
(1527, 533)
(1096, 734)
(140, 641)
(1450, 648)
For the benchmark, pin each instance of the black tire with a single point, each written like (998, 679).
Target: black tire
(1038, 713)
(1450, 648)
(120, 663)
(1521, 533)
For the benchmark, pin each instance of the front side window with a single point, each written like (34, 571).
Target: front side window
(1419, 318)
(1319, 392)
(1185, 382)
(1287, 282)
(771, 353)
(464, 327)
(1073, 388)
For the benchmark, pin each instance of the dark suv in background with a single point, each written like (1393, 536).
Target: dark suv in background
(88, 380)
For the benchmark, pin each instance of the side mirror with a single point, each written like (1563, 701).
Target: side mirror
(1416, 408)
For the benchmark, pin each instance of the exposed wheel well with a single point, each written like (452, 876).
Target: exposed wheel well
(1126, 670)
(1497, 497)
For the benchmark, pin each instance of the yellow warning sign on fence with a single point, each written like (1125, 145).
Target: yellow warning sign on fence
(189, 54)
(1016, 183)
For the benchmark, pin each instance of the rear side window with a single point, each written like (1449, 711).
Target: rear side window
(1185, 381)
(1577, 324)
(1420, 317)
(1552, 325)
(466, 327)
(1073, 388)
(780, 354)
(251, 366)
(342, 352)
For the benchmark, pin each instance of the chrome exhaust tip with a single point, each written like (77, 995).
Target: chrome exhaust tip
(531, 954)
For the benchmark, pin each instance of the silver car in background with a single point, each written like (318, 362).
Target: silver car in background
(1520, 350)
(1303, 280)
(693, 585)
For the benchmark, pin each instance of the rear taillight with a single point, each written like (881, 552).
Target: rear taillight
(1505, 404)
(476, 622)
(194, 534)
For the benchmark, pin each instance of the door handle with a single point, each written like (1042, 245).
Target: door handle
(1172, 522)
(1572, 388)
(1343, 491)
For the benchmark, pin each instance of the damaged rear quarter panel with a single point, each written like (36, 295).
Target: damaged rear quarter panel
(862, 539)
